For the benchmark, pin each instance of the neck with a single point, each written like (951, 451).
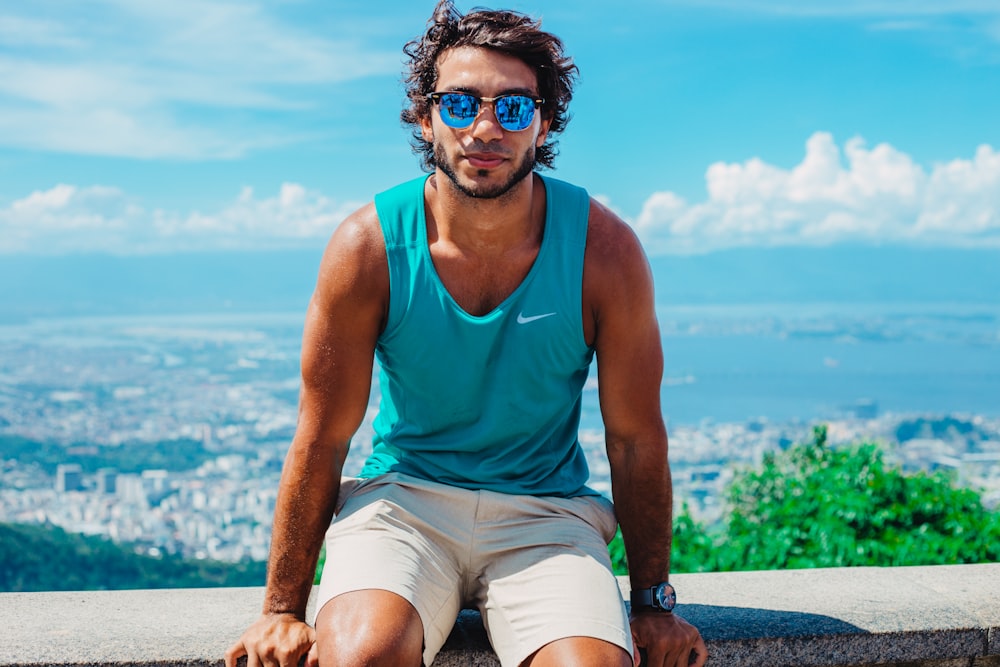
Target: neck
(485, 226)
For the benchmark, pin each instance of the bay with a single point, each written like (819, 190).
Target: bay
(724, 363)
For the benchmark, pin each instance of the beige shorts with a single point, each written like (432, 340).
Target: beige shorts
(537, 568)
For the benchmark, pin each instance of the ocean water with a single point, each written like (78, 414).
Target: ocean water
(784, 362)
(725, 363)
(737, 378)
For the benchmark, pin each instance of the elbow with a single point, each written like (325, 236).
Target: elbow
(649, 451)
(319, 450)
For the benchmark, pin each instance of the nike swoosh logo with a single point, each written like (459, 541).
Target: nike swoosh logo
(521, 319)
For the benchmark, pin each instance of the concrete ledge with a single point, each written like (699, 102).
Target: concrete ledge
(945, 616)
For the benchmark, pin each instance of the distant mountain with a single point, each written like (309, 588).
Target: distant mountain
(283, 280)
(40, 558)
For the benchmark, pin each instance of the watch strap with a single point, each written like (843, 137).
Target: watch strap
(643, 598)
(646, 598)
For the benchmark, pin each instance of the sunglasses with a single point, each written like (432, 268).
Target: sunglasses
(514, 112)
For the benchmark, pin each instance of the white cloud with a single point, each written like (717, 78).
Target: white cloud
(880, 195)
(73, 219)
(963, 197)
(853, 193)
(143, 78)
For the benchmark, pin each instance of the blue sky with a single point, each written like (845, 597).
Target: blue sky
(143, 126)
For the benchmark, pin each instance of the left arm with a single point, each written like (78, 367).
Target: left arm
(620, 320)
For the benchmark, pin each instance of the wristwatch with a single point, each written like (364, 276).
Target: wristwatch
(662, 597)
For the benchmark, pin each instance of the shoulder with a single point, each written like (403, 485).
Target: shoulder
(354, 262)
(617, 281)
(614, 253)
(360, 232)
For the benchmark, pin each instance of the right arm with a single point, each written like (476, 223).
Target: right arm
(345, 317)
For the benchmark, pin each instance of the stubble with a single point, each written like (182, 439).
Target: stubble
(485, 191)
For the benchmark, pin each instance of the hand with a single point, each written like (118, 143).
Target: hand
(669, 640)
(275, 640)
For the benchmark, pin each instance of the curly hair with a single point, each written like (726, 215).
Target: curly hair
(508, 32)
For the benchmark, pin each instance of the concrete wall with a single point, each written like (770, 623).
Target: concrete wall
(945, 616)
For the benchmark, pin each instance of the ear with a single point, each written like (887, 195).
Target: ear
(543, 133)
(427, 129)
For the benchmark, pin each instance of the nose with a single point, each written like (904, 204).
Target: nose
(486, 127)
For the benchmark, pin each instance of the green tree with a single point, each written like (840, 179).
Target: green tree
(820, 506)
(47, 558)
(129, 457)
(694, 548)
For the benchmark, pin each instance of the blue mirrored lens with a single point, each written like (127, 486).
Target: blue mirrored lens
(515, 112)
(458, 109)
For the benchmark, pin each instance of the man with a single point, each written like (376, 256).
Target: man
(485, 290)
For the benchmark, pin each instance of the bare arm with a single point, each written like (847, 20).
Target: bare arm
(343, 322)
(621, 318)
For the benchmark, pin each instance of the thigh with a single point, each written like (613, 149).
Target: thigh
(550, 578)
(385, 538)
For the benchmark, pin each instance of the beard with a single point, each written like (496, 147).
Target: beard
(485, 191)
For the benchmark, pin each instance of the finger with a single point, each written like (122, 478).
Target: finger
(656, 657)
(289, 658)
(312, 658)
(235, 652)
(701, 653)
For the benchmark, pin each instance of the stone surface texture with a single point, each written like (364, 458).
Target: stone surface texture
(848, 617)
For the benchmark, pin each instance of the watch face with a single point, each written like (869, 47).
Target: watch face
(666, 596)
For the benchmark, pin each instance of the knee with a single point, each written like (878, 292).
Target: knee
(369, 628)
(579, 652)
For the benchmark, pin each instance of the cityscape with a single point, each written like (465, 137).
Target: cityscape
(219, 400)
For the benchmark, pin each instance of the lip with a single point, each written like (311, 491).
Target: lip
(485, 160)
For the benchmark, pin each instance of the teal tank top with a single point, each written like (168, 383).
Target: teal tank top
(490, 402)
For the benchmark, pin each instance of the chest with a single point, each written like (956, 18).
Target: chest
(480, 284)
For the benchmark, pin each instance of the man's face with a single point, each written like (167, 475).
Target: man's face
(484, 160)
